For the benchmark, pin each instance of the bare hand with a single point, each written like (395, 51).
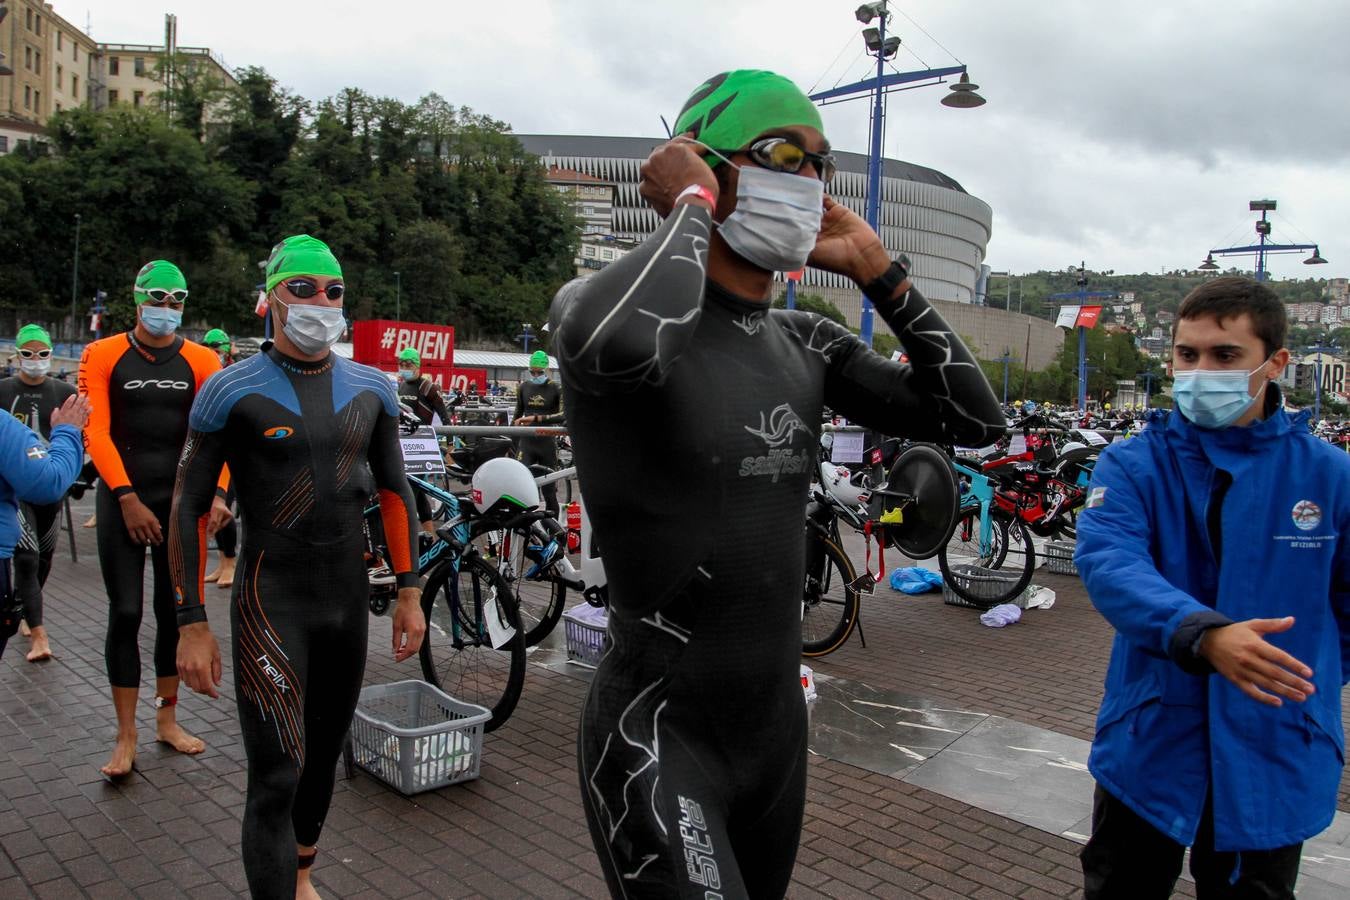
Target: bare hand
(410, 625)
(670, 169)
(220, 516)
(525, 420)
(141, 523)
(75, 411)
(848, 245)
(199, 658)
(1239, 652)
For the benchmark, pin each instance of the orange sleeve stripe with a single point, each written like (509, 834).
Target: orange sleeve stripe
(396, 530)
(204, 364)
(96, 365)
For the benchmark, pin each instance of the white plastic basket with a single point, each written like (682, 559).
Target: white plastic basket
(1059, 557)
(414, 737)
(585, 641)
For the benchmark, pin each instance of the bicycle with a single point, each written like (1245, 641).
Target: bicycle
(913, 511)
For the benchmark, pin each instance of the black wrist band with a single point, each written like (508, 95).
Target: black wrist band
(882, 288)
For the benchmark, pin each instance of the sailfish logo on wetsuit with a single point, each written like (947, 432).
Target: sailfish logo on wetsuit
(777, 429)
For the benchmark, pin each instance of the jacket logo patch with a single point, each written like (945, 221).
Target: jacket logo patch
(37, 452)
(1096, 497)
(1307, 515)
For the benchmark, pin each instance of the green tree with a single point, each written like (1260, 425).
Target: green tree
(191, 90)
(816, 304)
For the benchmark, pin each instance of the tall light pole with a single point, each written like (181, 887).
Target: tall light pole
(526, 334)
(1005, 359)
(1080, 295)
(962, 96)
(1262, 246)
(75, 286)
(398, 297)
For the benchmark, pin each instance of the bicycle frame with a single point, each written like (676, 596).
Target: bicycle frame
(980, 494)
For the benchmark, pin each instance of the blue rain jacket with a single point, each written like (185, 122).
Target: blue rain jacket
(33, 470)
(1169, 727)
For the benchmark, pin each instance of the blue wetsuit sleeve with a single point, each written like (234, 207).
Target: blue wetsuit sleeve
(1115, 561)
(625, 326)
(194, 491)
(38, 471)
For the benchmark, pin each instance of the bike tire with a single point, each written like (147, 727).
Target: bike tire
(963, 547)
(541, 601)
(457, 654)
(829, 601)
(1018, 556)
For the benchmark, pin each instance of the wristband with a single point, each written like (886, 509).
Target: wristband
(698, 190)
(882, 288)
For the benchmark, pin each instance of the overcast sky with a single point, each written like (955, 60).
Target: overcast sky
(1128, 134)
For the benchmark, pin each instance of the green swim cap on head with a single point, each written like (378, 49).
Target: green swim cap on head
(410, 355)
(301, 254)
(216, 336)
(32, 332)
(730, 110)
(158, 274)
(539, 360)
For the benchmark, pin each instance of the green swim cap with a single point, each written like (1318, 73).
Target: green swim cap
(216, 336)
(410, 355)
(32, 332)
(729, 110)
(539, 360)
(301, 254)
(158, 274)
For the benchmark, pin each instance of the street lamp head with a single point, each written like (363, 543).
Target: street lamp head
(890, 47)
(872, 38)
(869, 11)
(1316, 258)
(1209, 265)
(962, 94)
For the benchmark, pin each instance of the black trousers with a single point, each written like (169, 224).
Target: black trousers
(1129, 859)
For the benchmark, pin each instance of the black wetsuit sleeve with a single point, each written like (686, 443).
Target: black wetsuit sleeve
(625, 326)
(193, 493)
(438, 405)
(941, 395)
(396, 502)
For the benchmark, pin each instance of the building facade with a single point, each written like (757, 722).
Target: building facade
(925, 215)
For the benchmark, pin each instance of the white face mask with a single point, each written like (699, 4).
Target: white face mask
(776, 220)
(36, 368)
(313, 329)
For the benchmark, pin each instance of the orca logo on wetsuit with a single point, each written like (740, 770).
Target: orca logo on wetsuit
(164, 384)
(777, 429)
(277, 432)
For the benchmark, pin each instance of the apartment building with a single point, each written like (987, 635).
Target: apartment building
(57, 66)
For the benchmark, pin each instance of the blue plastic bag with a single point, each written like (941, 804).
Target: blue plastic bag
(915, 580)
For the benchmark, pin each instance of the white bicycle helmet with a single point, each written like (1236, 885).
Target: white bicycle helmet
(835, 480)
(503, 486)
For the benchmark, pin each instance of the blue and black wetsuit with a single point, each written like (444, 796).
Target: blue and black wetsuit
(309, 444)
(695, 425)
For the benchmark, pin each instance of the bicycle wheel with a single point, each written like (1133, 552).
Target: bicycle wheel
(540, 600)
(1018, 560)
(457, 654)
(964, 548)
(829, 600)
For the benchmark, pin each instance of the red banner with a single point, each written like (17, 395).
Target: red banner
(377, 342)
(1088, 316)
(460, 379)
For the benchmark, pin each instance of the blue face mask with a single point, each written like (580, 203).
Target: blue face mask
(1214, 398)
(407, 374)
(538, 379)
(160, 320)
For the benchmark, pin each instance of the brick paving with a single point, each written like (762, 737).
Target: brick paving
(172, 830)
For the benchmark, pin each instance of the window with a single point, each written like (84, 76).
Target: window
(28, 58)
(37, 102)
(114, 65)
(138, 65)
(37, 57)
(58, 107)
(4, 143)
(75, 86)
(27, 97)
(60, 75)
(137, 97)
(112, 98)
(58, 40)
(29, 20)
(38, 21)
(76, 48)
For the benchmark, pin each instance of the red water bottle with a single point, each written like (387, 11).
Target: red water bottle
(573, 527)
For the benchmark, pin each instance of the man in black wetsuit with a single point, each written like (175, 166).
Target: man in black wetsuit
(31, 397)
(540, 402)
(694, 411)
(424, 398)
(311, 437)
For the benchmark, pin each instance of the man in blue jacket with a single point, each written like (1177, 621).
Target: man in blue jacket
(1216, 545)
(34, 470)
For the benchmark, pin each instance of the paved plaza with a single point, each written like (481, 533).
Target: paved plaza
(892, 809)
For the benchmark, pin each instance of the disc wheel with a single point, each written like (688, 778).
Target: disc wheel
(457, 654)
(924, 473)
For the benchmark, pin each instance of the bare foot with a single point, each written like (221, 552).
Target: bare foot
(304, 888)
(123, 758)
(24, 629)
(40, 649)
(171, 733)
(211, 577)
(93, 520)
(226, 572)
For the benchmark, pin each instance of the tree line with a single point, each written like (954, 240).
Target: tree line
(212, 177)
